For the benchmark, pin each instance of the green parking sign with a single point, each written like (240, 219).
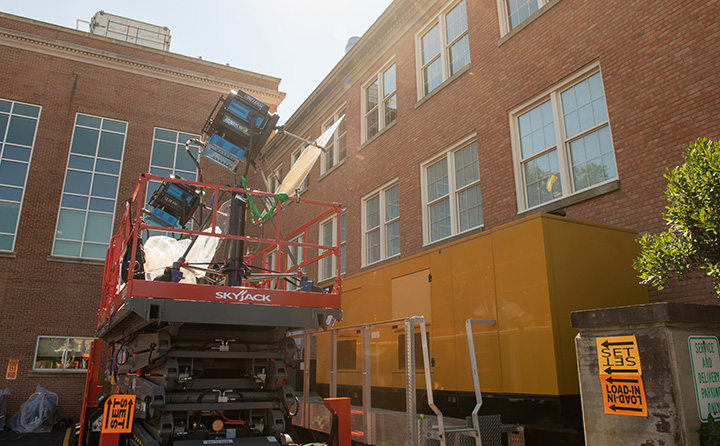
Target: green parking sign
(705, 360)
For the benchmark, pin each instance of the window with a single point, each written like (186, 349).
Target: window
(87, 209)
(381, 224)
(335, 148)
(380, 102)
(443, 48)
(514, 12)
(451, 193)
(328, 231)
(562, 142)
(275, 180)
(18, 124)
(53, 353)
(169, 157)
(294, 157)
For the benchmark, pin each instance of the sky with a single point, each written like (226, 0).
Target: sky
(299, 41)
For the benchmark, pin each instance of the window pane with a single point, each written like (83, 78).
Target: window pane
(111, 145)
(520, 10)
(371, 96)
(31, 111)
(536, 130)
(584, 106)
(104, 186)
(437, 178)
(115, 126)
(373, 246)
(459, 55)
(84, 141)
(389, 81)
(65, 248)
(5, 106)
(74, 201)
(94, 251)
(166, 135)
(98, 228)
(81, 162)
(8, 216)
(3, 125)
(456, 22)
(431, 44)
(542, 179)
(470, 208)
(77, 182)
(371, 124)
(432, 76)
(392, 203)
(592, 159)
(183, 160)
(11, 193)
(21, 131)
(392, 232)
(12, 173)
(70, 224)
(50, 352)
(467, 168)
(78, 353)
(88, 121)
(6, 242)
(390, 109)
(98, 204)
(439, 220)
(106, 166)
(372, 213)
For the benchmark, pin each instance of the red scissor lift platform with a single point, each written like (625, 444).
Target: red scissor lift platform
(204, 360)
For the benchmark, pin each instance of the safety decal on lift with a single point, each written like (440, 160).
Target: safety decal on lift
(118, 414)
(620, 375)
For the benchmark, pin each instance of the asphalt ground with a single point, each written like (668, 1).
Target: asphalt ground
(58, 437)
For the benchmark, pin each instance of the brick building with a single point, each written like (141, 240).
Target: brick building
(81, 117)
(463, 117)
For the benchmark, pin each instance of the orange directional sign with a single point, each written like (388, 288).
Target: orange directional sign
(624, 395)
(118, 416)
(618, 355)
(12, 369)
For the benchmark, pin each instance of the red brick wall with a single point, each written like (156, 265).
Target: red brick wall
(43, 297)
(659, 69)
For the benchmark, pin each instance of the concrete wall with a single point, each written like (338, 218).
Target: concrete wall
(661, 331)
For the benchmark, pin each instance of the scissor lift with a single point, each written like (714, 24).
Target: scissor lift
(207, 361)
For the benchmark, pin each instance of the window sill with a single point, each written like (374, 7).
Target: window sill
(62, 259)
(380, 263)
(332, 169)
(58, 373)
(442, 86)
(8, 254)
(527, 21)
(452, 238)
(572, 199)
(377, 135)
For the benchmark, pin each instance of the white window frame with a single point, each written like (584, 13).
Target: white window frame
(4, 157)
(294, 157)
(382, 100)
(452, 191)
(275, 179)
(95, 158)
(445, 46)
(332, 221)
(504, 15)
(334, 140)
(380, 193)
(64, 355)
(561, 141)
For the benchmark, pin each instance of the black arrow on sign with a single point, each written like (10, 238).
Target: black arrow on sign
(612, 380)
(606, 343)
(630, 409)
(610, 371)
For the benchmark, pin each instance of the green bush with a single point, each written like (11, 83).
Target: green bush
(693, 219)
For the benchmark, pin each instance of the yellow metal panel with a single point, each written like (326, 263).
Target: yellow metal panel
(411, 296)
(525, 325)
(443, 326)
(590, 266)
(474, 297)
